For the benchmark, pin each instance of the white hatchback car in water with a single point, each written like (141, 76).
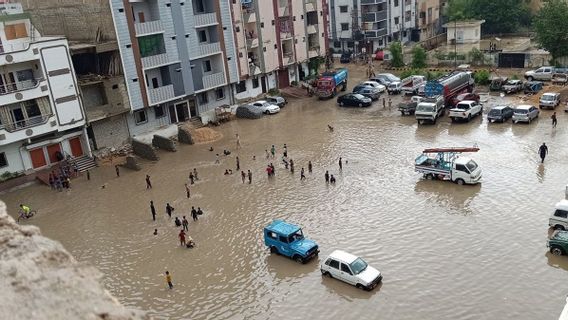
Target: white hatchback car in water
(351, 269)
(266, 107)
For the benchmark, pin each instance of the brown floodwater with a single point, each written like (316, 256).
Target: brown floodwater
(446, 251)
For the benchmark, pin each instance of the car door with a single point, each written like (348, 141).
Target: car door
(334, 268)
(533, 112)
(347, 275)
(283, 246)
(260, 106)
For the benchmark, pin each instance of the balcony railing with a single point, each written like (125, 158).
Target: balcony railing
(161, 94)
(365, 2)
(376, 33)
(213, 80)
(254, 69)
(375, 16)
(155, 61)
(208, 49)
(149, 27)
(252, 42)
(312, 29)
(19, 86)
(26, 123)
(205, 19)
(311, 5)
(249, 15)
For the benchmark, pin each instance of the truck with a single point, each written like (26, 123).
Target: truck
(288, 240)
(544, 73)
(450, 85)
(411, 84)
(465, 110)
(429, 109)
(330, 82)
(448, 164)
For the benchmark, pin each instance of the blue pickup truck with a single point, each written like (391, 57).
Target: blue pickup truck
(288, 240)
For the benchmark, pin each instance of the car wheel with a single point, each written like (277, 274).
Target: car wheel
(530, 78)
(341, 103)
(469, 117)
(420, 121)
(298, 259)
(556, 251)
(360, 105)
(558, 227)
(460, 182)
(273, 250)
(326, 274)
(360, 286)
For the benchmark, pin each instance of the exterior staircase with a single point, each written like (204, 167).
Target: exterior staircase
(85, 163)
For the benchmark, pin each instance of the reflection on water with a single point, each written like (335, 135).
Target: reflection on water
(446, 251)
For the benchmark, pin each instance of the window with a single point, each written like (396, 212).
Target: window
(396, 3)
(343, 9)
(24, 75)
(159, 111)
(199, 7)
(15, 31)
(461, 167)
(345, 269)
(155, 83)
(151, 45)
(336, 44)
(334, 264)
(202, 36)
(283, 239)
(140, 117)
(272, 235)
(396, 20)
(32, 108)
(255, 83)
(3, 161)
(344, 26)
(220, 93)
(241, 86)
(207, 66)
(561, 214)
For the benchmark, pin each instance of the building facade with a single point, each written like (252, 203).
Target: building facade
(41, 113)
(428, 20)
(275, 40)
(178, 59)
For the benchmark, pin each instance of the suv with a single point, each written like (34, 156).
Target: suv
(351, 269)
(288, 240)
(549, 100)
(559, 219)
(429, 109)
(394, 87)
(558, 243)
(465, 110)
(500, 114)
(525, 113)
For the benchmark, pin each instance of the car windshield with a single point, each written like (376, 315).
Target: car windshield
(495, 112)
(296, 236)
(547, 98)
(462, 106)
(471, 165)
(425, 108)
(521, 111)
(358, 266)
(390, 77)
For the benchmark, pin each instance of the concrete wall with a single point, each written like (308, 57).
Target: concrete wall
(13, 157)
(111, 132)
(78, 20)
(250, 92)
(152, 122)
(471, 34)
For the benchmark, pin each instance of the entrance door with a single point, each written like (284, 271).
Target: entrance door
(173, 117)
(192, 109)
(182, 113)
(52, 151)
(38, 158)
(76, 148)
(283, 79)
(141, 17)
(263, 83)
(18, 117)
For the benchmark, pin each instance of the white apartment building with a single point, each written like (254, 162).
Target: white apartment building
(41, 116)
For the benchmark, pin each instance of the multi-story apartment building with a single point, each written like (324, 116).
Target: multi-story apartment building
(275, 40)
(428, 18)
(371, 24)
(178, 58)
(41, 116)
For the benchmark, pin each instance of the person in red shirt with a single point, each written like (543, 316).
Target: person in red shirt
(182, 237)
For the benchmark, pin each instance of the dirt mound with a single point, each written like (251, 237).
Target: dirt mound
(205, 135)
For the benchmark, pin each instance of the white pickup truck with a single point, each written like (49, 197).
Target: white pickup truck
(543, 73)
(465, 110)
(448, 164)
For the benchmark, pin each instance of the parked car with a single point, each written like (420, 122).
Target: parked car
(345, 57)
(512, 86)
(500, 114)
(430, 109)
(277, 100)
(266, 107)
(560, 79)
(525, 113)
(558, 243)
(354, 100)
(351, 269)
(465, 96)
(374, 84)
(407, 107)
(385, 78)
(394, 87)
(543, 73)
(367, 91)
(497, 83)
(248, 111)
(465, 110)
(559, 219)
(288, 240)
(549, 100)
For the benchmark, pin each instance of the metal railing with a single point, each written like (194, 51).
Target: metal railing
(26, 123)
(148, 27)
(204, 19)
(161, 94)
(19, 86)
(206, 49)
(155, 60)
(213, 80)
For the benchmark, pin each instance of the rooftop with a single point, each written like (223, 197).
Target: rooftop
(343, 256)
(463, 24)
(282, 227)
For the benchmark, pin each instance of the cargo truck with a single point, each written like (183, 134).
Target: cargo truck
(331, 82)
(449, 86)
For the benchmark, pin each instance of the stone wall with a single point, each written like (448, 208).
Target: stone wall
(144, 150)
(163, 143)
(111, 132)
(41, 280)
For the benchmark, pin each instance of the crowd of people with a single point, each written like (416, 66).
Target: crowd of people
(60, 178)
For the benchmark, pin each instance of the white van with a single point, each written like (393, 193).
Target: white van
(559, 219)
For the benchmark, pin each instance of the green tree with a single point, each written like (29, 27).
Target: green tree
(418, 57)
(476, 56)
(500, 16)
(458, 10)
(396, 53)
(551, 28)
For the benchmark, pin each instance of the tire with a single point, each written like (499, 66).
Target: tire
(469, 117)
(557, 251)
(274, 250)
(298, 259)
(342, 104)
(530, 78)
(460, 182)
(429, 176)
(420, 121)
(360, 105)
(326, 274)
(559, 227)
(360, 286)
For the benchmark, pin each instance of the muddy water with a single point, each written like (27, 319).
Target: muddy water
(446, 252)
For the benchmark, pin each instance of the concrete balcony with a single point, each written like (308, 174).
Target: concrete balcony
(161, 94)
(214, 80)
(371, 2)
(312, 53)
(154, 61)
(376, 33)
(375, 16)
(288, 58)
(27, 123)
(286, 36)
(249, 16)
(311, 5)
(205, 19)
(23, 90)
(147, 28)
(312, 28)
(252, 43)
(208, 49)
(254, 70)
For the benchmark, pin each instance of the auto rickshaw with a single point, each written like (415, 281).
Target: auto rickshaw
(532, 87)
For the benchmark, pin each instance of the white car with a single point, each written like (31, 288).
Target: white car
(374, 84)
(266, 107)
(525, 113)
(351, 269)
(559, 219)
(465, 110)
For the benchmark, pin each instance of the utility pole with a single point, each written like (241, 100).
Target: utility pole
(455, 44)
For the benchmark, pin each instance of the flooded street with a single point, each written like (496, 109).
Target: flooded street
(446, 251)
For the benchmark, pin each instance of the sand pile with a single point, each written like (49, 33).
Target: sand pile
(205, 135)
